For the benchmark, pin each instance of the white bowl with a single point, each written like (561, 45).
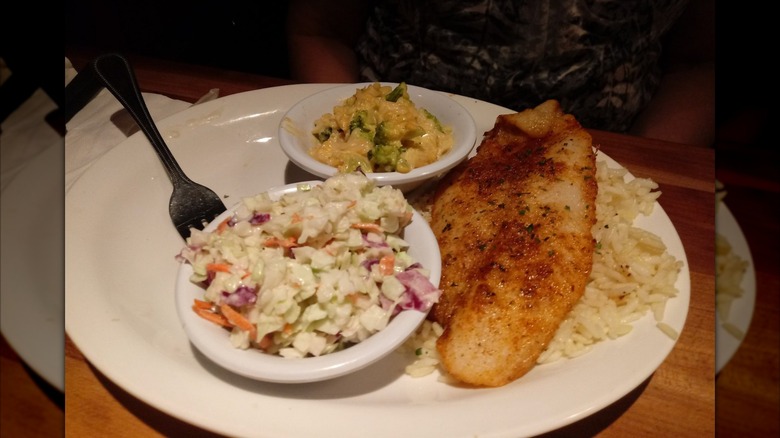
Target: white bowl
(213, 341)
(296, 138)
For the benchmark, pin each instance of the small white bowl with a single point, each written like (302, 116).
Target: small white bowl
(213, 341)
(296, 138)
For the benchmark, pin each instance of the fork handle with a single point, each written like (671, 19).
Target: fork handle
(116, 74)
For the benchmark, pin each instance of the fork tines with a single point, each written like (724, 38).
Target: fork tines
(198, 222)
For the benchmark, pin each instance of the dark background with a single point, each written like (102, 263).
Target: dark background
(240, 35)
(249, 36)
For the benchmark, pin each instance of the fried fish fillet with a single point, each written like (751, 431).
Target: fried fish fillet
(514, 229)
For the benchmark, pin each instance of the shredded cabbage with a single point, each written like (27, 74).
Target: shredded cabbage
(313, 272)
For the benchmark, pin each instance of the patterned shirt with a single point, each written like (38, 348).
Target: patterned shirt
(598, 58)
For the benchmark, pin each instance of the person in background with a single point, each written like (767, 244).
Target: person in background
(642, 67)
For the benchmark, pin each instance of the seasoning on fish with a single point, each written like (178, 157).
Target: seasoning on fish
(514, 229)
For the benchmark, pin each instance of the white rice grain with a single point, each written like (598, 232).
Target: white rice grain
(668, 330)
(730, 269)
(734, 330)
(633, 274)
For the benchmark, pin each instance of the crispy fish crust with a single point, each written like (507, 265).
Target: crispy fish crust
(514, 229)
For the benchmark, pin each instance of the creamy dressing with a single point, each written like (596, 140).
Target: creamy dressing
(313, 272)
(379, 129)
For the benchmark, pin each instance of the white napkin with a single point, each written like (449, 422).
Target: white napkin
(102, 124)
(93, 131)
(25, 134)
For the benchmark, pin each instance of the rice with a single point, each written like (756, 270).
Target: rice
(633, 274)
(729, 270)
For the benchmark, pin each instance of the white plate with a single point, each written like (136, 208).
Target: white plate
(121, 273)
(741, 312)
(31, 225)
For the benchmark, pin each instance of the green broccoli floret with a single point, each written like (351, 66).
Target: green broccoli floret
(381, 136)
(359, 121)
(397, 93)
(435, 119)
(385, 157)
(324, 135)
(357, 163)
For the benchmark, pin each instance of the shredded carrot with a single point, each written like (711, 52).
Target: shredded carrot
(266, 341)
(296, 218)
(222, 226)
(387, 264)
(218, 267)
(352, 298)
(275, 242)
(288, 328)
(211, 316)
(368, 227)
(200, 304)
(238, 320)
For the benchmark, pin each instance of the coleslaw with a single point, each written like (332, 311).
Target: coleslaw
(313, 272)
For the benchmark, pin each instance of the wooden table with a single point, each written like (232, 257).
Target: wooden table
(677, 400)
(29, 406)
(747, 391)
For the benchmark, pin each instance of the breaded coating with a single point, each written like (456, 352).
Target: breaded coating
(514, 229)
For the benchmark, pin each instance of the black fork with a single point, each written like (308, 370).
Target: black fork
(192, 205)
